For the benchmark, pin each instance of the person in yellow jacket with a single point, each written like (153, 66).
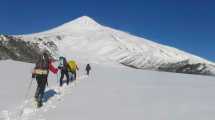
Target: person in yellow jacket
(73, 65)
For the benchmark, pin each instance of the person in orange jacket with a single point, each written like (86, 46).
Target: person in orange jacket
(40, 72)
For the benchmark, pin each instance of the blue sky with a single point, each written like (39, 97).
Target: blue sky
(185, 24)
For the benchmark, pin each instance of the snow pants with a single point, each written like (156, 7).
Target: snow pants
(88, 72)
(64, 72)
(41, 85)
(73, 75)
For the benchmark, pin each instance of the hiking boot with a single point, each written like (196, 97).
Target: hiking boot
(39, 104)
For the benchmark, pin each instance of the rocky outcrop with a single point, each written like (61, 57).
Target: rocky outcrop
(17, 49)
(187, 67)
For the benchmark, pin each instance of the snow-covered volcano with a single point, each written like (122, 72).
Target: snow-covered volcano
(85, 39)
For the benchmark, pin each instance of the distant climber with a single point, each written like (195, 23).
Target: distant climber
(73, 67)
(88, 68)
(63, 66)
(40, 72)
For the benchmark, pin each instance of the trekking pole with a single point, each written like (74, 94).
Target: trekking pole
(57, 77)
(26, 96)
(28, 89)
(92, 74)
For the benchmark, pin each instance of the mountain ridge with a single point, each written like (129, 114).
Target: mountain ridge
(85, 39)
(89, 22)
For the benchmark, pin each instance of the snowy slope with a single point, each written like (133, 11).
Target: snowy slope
(115, 93)
(84, 39)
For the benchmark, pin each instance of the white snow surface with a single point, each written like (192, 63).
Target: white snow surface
(86, 40)
(109, 93)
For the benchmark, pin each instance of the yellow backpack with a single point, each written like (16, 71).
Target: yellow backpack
(72, 65)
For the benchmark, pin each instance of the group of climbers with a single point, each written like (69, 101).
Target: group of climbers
(68, 69)
(41, 70)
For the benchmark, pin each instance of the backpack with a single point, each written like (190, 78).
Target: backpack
(88, 68)
(62, 63)
(72, 65)
(43, 62)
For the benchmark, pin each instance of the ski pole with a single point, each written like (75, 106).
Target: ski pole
(26, 96)
(57, 78)
(28, 89)
(92, 74)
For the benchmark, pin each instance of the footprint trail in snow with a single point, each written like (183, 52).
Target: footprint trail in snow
(53, 96)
